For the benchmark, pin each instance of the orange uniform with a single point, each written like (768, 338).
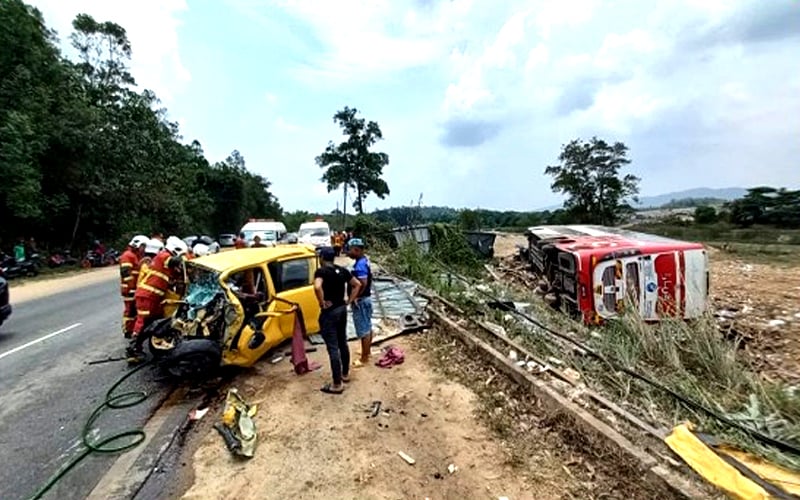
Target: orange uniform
(162, 271)
(129, 276)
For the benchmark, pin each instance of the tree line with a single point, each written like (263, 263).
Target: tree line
(84, 154)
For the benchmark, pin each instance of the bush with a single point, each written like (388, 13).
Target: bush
(705, 215)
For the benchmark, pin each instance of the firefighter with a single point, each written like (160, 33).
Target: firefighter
(165, 269)
(129, 277)
(151, 249)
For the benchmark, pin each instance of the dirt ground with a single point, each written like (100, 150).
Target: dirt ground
(760, 304)
(316, 445)
(34, 288)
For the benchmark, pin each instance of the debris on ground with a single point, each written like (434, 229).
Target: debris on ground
(329, 445)
(392, 355)
(407, 458)
(237, 426)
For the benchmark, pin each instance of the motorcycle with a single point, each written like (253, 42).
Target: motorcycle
(95, 259)
(13, 269)
(58, 259)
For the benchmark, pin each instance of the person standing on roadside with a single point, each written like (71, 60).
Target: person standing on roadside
(330, 282)
(361, 305)
(240, 242)
(257, 243)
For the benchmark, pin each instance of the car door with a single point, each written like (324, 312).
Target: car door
(292, 281)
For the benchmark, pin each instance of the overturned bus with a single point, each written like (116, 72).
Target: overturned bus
(596, 272)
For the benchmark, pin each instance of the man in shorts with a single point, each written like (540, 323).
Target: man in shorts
(329, 287)
(362, 305)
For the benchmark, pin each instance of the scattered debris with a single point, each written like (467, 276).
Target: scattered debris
(392, 355)
(407, 458)
(555, 361)
(512, 355)
(107, 360)
(776, 323)
(375, 409)
(276, 359)
(237, 427)
(198, 413)
(452, 468)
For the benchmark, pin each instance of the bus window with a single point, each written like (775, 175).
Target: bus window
(632, 282)
(609, 289)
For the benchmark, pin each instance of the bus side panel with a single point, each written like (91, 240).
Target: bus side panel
(666, 269)
(696, 282)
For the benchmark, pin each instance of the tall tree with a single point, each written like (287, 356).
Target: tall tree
(589, 175)
(351, 164)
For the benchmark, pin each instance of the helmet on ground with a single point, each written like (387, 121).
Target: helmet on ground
(139, 240)
(356, 242)
(200, 249)
(153, 246)
(176, 245)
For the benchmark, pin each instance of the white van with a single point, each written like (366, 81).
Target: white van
(269, 230)
(317, 233)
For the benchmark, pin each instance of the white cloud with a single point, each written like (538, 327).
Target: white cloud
(152, 28)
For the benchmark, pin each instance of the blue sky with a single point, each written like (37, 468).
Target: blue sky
(475, 97)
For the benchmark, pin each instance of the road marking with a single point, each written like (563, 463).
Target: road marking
(40, 339)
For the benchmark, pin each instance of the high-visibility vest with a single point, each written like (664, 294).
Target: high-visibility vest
(128, 273)
(159, 275)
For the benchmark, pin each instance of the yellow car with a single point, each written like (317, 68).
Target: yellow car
(237, 306)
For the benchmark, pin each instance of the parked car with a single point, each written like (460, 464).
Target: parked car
(227, 240)
(290, 238)
(5, 303)
(237, 306)
(213, 246)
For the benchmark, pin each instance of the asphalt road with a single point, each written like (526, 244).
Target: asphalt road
(47, 389)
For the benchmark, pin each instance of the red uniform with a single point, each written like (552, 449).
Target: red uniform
(128, 275)
(150, 294)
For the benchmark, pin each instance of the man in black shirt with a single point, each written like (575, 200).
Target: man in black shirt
(330, 281)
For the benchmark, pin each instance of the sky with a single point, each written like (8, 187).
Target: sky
(474, 97)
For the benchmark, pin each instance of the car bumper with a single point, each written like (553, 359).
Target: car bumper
(5, 312)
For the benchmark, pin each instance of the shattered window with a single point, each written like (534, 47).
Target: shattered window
(609, 289)
(290, 274)
(632, 281)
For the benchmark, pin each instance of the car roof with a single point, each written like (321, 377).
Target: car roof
(247, 257)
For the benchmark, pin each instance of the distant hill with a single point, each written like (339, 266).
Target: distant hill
(724, 194)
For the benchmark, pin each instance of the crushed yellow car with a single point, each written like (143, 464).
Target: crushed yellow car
(236, 306)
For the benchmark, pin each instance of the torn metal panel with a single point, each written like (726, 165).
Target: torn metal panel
(420, 234)
(397, 308)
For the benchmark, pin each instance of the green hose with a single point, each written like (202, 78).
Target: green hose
(131, 437)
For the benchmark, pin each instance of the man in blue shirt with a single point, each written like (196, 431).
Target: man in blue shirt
(362, 305)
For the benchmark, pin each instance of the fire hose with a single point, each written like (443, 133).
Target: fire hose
(130, 438)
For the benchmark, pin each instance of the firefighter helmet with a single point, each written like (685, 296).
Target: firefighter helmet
(176, 245)
(153, 246)
(139, 240)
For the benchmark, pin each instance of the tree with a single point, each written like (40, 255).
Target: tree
(589, 174)
(469, 220)
(351, 164)
(705, 215)
(767, 205)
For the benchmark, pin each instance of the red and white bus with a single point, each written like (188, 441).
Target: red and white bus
(597, 271)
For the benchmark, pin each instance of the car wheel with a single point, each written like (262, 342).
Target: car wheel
(194, 359)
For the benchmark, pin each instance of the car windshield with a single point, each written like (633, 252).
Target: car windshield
(315, 232)
(203, 286)
(267, 235)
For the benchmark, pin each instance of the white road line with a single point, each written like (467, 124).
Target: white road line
(40, 339)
